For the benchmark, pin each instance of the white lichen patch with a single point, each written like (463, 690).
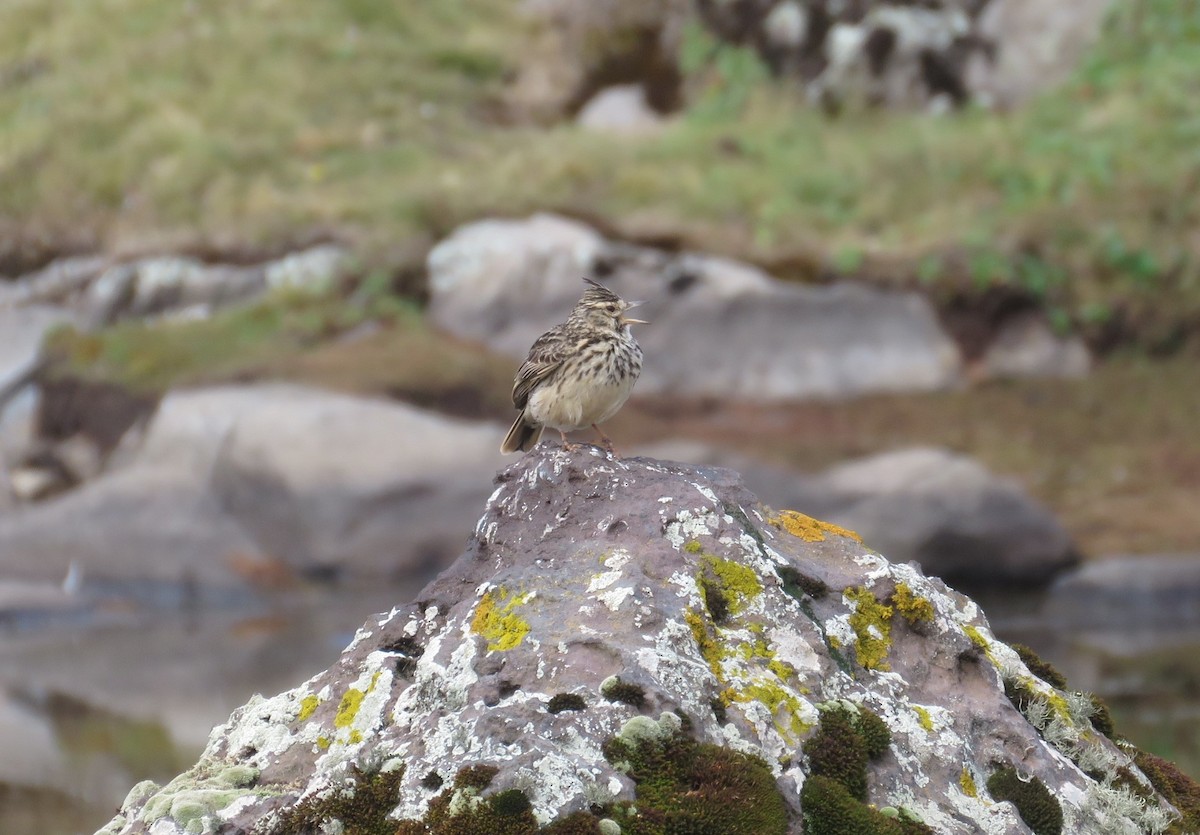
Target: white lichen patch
(688, 525)
(794, 649)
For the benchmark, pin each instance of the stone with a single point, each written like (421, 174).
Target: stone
(1026, 346)
(734, 630)
(580, 46)
(942, 510)
(1037, 45)
(505, 282)
(620, 110)
(316, 270)
(55, 284)
(22, 331)
(1120, 593)
(168, 284)
(236, 488)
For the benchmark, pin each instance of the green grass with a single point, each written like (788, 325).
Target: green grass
(371, 343)
(231, 123)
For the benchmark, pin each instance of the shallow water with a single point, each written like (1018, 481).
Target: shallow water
(87, 713)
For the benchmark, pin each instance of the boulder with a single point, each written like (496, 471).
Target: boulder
(21, 333)
(581, 46)
(719, 327)
(240, 487)
(621, 110)
(945, 511)
(632, 644)
(1037, 44)
(1026, 346)
(1123, 593)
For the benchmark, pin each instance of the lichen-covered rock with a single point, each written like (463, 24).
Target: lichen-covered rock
(804, 672)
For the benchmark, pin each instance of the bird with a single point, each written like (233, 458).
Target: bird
(579, 373)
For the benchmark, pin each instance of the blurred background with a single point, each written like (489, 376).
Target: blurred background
(928, 270)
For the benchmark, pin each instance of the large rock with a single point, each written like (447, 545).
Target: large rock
(1037, 43)
(237, 485)
(719, 328)
(941, 509)
(616, 623)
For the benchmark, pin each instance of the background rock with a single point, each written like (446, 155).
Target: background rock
(718, 327)
(253, 485)
(945, 511)
(584, 568)
(622, 110)
(1128, 592)
(1026, 346)
(1038, 43)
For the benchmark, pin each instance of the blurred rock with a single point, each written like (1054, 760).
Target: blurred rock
(599, 603)
(719, 327)
(56, 283)
(21, 333)
(315, 270)
(1037, 45)
(620, 110)
(582, 46)
(1144, 591)
(940, 509)
(1026, 346)
(235, 488)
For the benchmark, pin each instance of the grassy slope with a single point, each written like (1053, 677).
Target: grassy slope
(235, 122)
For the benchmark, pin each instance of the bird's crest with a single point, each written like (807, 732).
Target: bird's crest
(597, 294)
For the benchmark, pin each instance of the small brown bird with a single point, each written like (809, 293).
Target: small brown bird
(579, 373)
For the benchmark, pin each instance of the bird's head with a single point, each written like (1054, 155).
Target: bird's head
(603, 308)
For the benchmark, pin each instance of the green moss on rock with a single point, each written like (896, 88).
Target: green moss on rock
(684, 786)
(363, 809)
(830, 809)
(837, 751)
(566, 701)
(1180, 790)
(1042, 669)
(615, 689)
(1035, 804)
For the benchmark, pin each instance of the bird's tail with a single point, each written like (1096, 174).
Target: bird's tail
(523, 436)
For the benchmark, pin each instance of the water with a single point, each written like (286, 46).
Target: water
(87, 713)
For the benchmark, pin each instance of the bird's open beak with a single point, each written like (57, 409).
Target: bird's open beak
(625, 320)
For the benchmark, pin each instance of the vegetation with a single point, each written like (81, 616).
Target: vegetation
(139, 123)
(687, 786)
(1036, 806)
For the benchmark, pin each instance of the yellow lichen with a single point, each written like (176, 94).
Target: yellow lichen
(348, 707)
(693, 547)
(924, 717)
(977, 637)
(872, 625)
(497, 622)
(737, 582)
(912, 608)
(710, 649)
(808, 528)
(784, 707)
(308, 706)
(967, 781)
(355, 736)
(322, 742)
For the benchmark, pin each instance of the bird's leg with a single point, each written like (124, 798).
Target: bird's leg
(567, 445)
(608, 444)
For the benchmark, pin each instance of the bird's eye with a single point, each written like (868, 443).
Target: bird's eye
(611, 308)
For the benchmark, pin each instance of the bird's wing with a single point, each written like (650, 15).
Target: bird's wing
(546, 355)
